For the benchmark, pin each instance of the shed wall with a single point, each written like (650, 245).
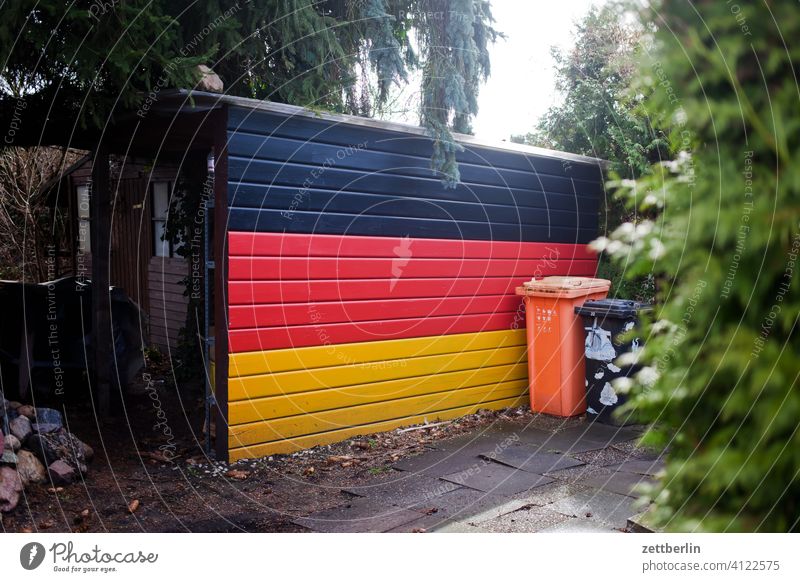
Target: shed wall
(363, 295)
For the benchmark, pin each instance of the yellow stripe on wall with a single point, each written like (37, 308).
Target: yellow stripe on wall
(303, 424)
(318, 400)
(296, 381)
(304, 442)
(323, 394)
(272, 361)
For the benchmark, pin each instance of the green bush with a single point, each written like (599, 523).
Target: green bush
(722, 366)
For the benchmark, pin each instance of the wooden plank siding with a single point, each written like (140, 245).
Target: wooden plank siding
(363, 295)
(131, 232)
(168, 304)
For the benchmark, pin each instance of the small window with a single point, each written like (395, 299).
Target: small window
(83, 200)
(160, 206)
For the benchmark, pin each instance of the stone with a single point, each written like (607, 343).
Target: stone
(8, 457)
(12, 443)
(61, 473)
(20, 427)
(88, 452)
(58, 446)
(30, 469)
(44, 427)
(209, 80)
(49, 416)
(27, 410)
(10, 488)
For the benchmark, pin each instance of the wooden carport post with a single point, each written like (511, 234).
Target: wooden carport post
(220, 129)
(100, 235)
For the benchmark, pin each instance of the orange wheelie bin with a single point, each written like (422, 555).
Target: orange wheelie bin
(556, 369)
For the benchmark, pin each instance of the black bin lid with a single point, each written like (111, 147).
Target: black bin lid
(621, 308)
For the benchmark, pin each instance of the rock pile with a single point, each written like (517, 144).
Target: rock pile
(36, 448)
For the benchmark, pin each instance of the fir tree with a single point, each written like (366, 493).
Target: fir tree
(89, 58)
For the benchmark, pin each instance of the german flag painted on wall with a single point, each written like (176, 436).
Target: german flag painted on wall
(363, 295)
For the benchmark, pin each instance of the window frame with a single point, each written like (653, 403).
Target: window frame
(156, 233)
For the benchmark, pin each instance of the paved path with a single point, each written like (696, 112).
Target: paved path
(508, 478)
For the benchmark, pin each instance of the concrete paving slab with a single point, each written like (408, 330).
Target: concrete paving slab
(602, 457)
(640, 467)
(609, 433)
(609, 509)
(481, 440)
(568, 442)
(362, 515)
(457, 527)
(403, 489)
(459, 505)
(643, 522)
(619, 482)
(588, 437)
(550, 493)
(579, 526)
(498, 510)
(525, 520)
(498, 479)
(532, 459)
(577, 475)
(520, 433)
(442, 461)
(639, 452)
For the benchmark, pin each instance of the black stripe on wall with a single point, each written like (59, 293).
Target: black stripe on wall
(384, 187)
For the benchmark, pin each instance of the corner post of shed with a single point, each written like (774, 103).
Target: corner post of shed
(220, 253)
(100, 237)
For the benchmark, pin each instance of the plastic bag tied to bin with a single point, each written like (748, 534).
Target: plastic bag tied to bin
(598, 344)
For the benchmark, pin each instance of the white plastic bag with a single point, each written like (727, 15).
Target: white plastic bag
(598, 344)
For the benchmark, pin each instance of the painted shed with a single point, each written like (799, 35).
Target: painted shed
(362, 295)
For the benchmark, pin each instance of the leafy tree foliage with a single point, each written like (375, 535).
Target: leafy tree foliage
(721, 375)
(600, 116)
(81, 61)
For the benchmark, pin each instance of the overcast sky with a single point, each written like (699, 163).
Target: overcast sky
(521, 87)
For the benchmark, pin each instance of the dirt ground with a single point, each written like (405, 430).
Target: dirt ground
(131, 487)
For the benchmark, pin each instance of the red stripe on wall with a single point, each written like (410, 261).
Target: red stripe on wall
(264, 244)
(255, 292)
(357, 289)
(251, 316)
(305, 268)
(271, 338)
(267, 244)
(258, 292)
